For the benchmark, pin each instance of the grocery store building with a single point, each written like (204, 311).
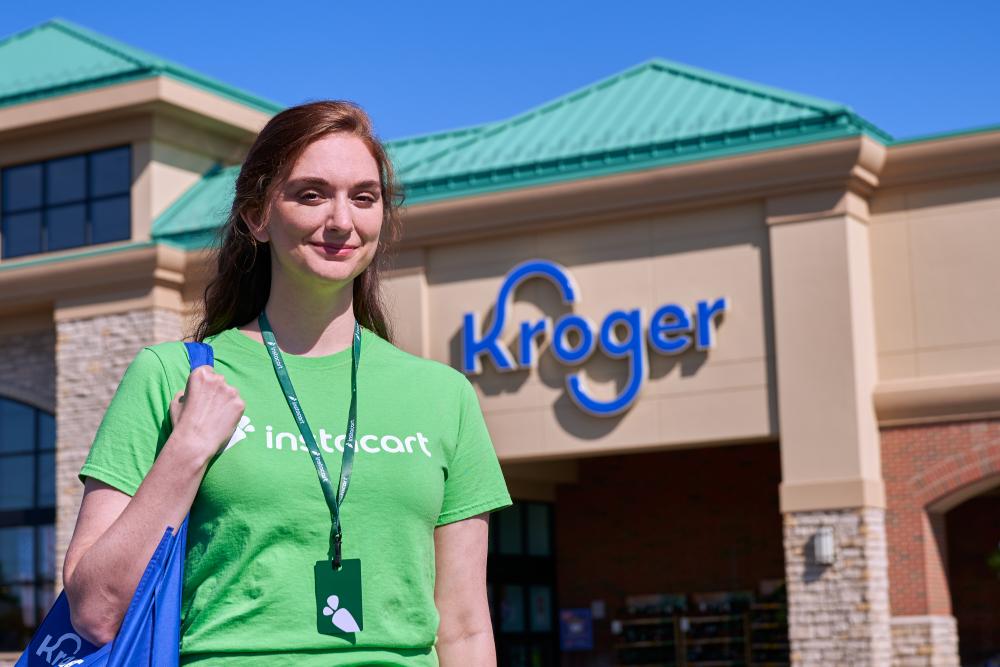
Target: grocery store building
(738, 348)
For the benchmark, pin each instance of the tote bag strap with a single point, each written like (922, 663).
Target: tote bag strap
(200, 354)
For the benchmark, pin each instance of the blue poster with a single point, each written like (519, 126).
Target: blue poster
(576, 629)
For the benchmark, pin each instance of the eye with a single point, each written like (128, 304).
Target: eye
(309, 195)
(366, 198)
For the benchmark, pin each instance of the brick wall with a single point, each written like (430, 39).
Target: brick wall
(922, 464)
(688, 521)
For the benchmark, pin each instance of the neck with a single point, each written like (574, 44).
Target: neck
(308, 321)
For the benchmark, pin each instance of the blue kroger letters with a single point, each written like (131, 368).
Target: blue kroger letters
(622, 335)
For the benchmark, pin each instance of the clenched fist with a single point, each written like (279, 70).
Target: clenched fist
(206, 413)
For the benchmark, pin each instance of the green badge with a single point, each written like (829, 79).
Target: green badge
(338, 598)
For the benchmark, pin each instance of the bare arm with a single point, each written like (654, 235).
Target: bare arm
(465, 636)
(115, 535)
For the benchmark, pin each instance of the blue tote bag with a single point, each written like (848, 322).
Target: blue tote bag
(150, 632)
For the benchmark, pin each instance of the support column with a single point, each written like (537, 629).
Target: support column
(919, 641)
(838, 614)
(831, 471)
(406, 292)
(96, 339)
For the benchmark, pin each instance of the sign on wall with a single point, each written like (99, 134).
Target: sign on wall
(622, 334)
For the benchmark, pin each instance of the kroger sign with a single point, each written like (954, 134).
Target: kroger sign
(623, 334)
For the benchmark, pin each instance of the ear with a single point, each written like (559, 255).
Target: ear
(252, 221)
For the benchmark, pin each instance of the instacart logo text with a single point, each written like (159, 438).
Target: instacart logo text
(417, 443)
(328, 442)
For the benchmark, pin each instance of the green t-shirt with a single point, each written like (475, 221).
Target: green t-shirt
(259, 522)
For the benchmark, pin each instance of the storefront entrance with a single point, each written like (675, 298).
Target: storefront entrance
(678, 557)
(973, 544)
(521, 576)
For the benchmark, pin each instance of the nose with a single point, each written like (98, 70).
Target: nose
(339, 218)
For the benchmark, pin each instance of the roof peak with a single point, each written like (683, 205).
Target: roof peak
(746, 86)
(106, 43)
(66, 57)
(654, 112)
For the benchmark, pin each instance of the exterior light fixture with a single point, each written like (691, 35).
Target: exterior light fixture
(824, 549)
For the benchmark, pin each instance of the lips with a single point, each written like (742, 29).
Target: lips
(335, 247)
(335, 250)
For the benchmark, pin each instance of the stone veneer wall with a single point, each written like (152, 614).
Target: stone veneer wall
(838, 614)
(28, 367)
(91, 357)
(924, 641)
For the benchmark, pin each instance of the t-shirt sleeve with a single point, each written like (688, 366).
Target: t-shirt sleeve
(475, 482)
(134, 427)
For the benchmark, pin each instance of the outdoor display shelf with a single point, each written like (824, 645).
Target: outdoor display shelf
(769, 627)
(725, 629)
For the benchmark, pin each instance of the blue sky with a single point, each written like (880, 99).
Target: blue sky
(912, 68)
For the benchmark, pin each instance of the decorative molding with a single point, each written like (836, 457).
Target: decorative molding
(826, 166)
(131, 276)
(943, 159)
(939, 398)
(831, 495)
(158, 92)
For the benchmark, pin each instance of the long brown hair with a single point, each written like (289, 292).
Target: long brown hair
(240, 288)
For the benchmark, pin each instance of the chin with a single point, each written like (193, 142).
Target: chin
(339, 274)
(333, 270)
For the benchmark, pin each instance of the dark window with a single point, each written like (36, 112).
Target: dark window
(27, 520)
(66, 203)
(521, 585)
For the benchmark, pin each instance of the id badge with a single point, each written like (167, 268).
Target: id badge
(339, 610)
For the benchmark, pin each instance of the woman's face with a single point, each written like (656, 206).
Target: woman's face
(324, 220)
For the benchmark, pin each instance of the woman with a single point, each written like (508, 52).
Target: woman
(293, 315)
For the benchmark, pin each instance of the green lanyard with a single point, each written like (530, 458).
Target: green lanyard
(333, 501)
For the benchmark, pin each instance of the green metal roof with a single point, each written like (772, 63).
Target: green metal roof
(192, 220)
(655, 114)
(58, 57)
(413, 150)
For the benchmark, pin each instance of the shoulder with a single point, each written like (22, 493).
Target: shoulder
(166, 353)
(391, 358)
(166, 361)
(173, 351)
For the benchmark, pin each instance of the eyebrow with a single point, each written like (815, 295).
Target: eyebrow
(316, 180)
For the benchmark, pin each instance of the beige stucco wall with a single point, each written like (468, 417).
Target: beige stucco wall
(629, 263)
(175, 131)
(937, 278)
(878, 287)
(162, 168)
